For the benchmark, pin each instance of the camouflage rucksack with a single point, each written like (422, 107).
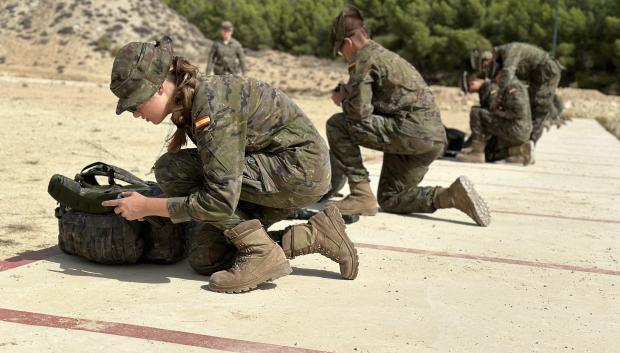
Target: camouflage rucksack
(96, 233)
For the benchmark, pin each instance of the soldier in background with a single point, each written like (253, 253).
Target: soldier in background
(226, 55)
(257, 159)
(531, 65)
(503, 133)
(387, 106)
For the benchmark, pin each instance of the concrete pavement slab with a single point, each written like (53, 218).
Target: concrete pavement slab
(543, 277)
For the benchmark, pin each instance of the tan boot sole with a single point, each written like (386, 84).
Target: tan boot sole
(334, 213)
(476, 204)
(279, 270)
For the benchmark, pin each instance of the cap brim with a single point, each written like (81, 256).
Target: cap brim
(138, 97)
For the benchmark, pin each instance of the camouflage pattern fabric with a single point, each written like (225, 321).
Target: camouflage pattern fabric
(258, 157)
(138, 71)
(534, 66)
(103, 238)
(487, 94)
(389, 108)
(226, 58)
(510, 124)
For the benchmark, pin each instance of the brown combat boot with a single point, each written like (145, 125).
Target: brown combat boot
(258, 260)
(361, 201)
(523, 153)
(324, 234)
(472, 154)
(462, 196)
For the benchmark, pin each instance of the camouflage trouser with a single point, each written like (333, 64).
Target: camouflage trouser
(543, 84)
(405, 161)
(485, 125)
(181, 173)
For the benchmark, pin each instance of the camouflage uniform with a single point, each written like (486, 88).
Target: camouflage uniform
(259, 157)
(542, 73)
(389, 108)
(226, 58)
(511, 127)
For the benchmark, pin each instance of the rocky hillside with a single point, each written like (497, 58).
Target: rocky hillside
(77, 38)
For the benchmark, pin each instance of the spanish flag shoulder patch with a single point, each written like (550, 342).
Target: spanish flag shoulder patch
(202, 122)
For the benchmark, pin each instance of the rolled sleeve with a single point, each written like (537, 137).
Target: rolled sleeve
(178, 207)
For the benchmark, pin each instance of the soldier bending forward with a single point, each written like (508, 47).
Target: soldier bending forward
(257, 159)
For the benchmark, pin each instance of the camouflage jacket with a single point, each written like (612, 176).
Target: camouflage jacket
(236, 117)
(383, 83)
(226, 58)
(514, 104)
(520, 60)
(487, 94)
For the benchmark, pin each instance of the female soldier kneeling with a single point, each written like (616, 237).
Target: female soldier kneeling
(257, 159)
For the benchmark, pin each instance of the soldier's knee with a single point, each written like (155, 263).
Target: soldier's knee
(162, 167)
(388, 202)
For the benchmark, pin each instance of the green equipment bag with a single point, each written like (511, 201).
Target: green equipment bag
(95, 232)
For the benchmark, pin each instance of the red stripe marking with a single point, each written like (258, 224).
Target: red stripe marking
(576, 155)
(577, 162)
(528, 171)
(28, 257)
(490, 259)
(567, 191)
(597, 220)
(146, 333)
(540, 188)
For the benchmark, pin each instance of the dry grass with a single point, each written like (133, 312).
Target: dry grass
(19, 228)
(610, 124)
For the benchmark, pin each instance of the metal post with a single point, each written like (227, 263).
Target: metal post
(555, 29)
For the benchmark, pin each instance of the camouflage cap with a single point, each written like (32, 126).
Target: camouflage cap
(339, 31)
(139, 70)
(226, 25)
(476, 56)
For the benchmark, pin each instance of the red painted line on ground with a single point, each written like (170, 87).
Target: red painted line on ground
(146, 333)
(538, 188)
(577, 162)
(487, 167)
(28, 257)
(518, 213)
(490, 259)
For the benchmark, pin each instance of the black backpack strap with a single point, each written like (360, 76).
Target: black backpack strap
(113, 173)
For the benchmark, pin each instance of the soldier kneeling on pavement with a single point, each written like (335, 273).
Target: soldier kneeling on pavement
(387, 106)
(534, 67)
(257, 159)
(509, 125)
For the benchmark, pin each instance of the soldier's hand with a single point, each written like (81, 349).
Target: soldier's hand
(131, 206)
